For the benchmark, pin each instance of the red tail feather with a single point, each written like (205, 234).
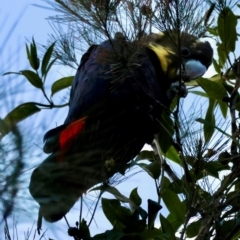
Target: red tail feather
(69, 133)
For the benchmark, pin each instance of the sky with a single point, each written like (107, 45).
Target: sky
(30, 21)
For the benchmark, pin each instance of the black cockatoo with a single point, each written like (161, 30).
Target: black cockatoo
(116, 101)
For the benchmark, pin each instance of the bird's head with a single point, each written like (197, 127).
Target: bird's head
(181, 55)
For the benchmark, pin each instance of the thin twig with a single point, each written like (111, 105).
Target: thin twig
(66, 221)
(80, 216)
(101, 192)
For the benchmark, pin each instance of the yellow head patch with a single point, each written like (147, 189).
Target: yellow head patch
(163, 54)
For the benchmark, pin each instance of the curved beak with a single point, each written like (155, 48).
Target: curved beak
(194, 69)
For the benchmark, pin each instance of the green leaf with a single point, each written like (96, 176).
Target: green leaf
(46, 59)
(85, 233)
(222, 54)
(112, 209)
(34, 62)
(61, 84)
(113, 191)
(213, 168)
(212, 171)
(146, 155)
(227, 23)
(29, 55)
(176, 186)
(217, 78)
(18, 114)
(166, 130)
(213, 31)
(173, 204)
(121, 217)
(213, 89)
(153, 169)
(33, 78)
(173, 104)
(109, 235)
(167, 228)
(192, 83)
(210, 117)
(135, 198)
(231, 74)
(50, 65)
(226, 226)
(166, 183)
(117, 194)
(173, 155)
(153, 209)
(223, 107)
(7, 73)
(202, 94)
(216, 66)
(193, 229)
(203, 121)
(174, 219)
(237, 234)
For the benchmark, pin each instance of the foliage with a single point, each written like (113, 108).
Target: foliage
(203, 201)
(12, 148)
(11, 165)
(37, 80)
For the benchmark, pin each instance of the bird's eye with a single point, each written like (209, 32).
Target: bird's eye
(185, 52)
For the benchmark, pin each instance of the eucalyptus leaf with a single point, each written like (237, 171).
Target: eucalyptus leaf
(166, 130)
(210, 117)
(199, 93)
(203, 121)
(29, 56)
(18, 114)
(135, 198)
(216, 66)
(35, 62)
(61, 84)
(193, 228)
(167, 228)
(114, 191)
(153, 169)
(46, 59)
(213, 89)
(227, 23)
(222, 54)
(173, 204)
(112, 209)
(173, 155)
(33, 78)
(145, 155)
(7, 73)
(223, 107)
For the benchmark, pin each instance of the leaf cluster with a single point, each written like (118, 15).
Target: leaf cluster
(37, 78)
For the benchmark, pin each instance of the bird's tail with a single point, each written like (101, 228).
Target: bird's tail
(54, 183)
(52, 189)
(59, 138)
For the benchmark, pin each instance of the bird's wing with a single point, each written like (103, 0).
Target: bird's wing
(95, 81)
(89, 86)
(141, 86)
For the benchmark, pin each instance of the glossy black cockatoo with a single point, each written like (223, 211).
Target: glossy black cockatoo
(116, 101)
